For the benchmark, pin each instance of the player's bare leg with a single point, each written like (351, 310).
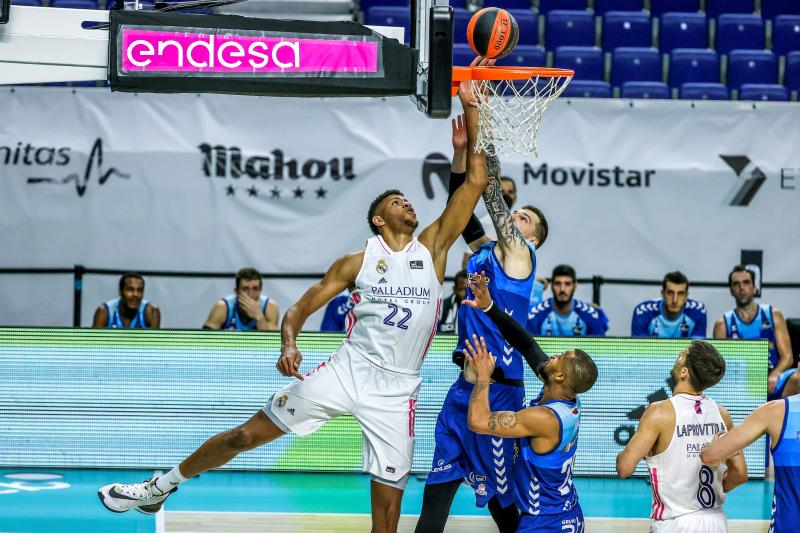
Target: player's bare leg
(385, 507)
(149, 496)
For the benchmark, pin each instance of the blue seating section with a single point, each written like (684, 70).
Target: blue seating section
(604, 6)
(546, 6)
(786, 34)
(751, 66)
(588, 89)
(766, 92)
(524, 56)
(626, 28)
(569, 28)
(704, 91)
(740, 32)
(689, 65)
(659, 7)
(652, 90)
(587, 62)
(635, 64)
(715, 8)
(390, 16)
(683, 30)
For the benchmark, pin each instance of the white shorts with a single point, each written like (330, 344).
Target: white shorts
(382, 402)
(704, 521)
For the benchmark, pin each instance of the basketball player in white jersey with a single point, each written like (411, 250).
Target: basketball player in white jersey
(374, 375)
(687, 495)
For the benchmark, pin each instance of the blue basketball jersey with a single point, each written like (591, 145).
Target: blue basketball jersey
(115, 320)
(783, 379)
(583, 320)
(786, 457)
(233, 320)
(336, 312)
(543, 483)
(510, 294)
(761, 327)
(649, 321)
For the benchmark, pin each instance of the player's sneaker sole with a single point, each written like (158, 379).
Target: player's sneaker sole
(109, 504)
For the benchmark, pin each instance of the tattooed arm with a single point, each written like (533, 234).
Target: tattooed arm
(512, 249)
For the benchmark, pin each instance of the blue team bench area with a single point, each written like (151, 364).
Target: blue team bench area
(53, 500)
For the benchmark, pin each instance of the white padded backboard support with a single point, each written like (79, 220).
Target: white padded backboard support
(46, 45)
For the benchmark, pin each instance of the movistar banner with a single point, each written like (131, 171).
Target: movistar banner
(219, 182)
(181, 387)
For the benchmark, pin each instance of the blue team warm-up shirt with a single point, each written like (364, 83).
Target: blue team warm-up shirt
(584, 320)
(545, 495)
(786, 457)
(761, 327)
(336, 313)
(233, 320)
(649, 321)
(510, 294)
(115, 320)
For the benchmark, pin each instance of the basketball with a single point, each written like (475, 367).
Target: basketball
(492, 33)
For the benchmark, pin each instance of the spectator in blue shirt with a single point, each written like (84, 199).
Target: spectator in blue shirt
(674, 316)
(563, 315)
(336, 313)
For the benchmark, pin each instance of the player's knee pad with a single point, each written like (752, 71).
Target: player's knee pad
(399, 484)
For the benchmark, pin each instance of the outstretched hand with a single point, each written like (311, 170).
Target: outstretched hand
(465, 92)
(459, 133)
(479, 284)
(479, 357)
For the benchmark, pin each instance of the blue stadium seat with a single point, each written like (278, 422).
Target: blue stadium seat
(751, 66)
(738, 31)
(768, 92)
(460, 4)
(32, 3)
(626, 28)
(602, 7)
(528, 22)
(653, 90)
(569, 28)
(390, 16)
(74, 4)
(524, 56)
(510, 4)
(462, 55)
(587, 62)
(704, 91)
(785, 34)
(635, 64)
(460, 22)
(683, 30)
(693, 65)
(772, 8)
(793, 71)
(715, 8)
(546, 6)
(364, 5)
(587, 89)
(659, 7)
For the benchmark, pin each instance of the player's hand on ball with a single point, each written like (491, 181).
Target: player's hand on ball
(479, 357)
(289, 362)
(480, 291)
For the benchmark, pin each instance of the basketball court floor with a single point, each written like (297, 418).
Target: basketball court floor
(38, 501)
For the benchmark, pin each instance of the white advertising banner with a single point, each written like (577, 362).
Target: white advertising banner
(215, 183)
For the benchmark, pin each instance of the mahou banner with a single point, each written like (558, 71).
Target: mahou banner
(216, 182)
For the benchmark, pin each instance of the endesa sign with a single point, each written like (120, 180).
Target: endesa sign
(222, 52)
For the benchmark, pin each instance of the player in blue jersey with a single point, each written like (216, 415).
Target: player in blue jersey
(788, 383)
(510, 263)
(674, 316)
(246, 309)
(563, 315)
(750, 320)
(130, 310)
(780, 419)
(547, 431)
(336, 312)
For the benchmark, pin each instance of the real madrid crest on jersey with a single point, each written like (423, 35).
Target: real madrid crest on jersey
(381, 267)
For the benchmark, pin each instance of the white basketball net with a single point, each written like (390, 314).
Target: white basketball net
(511, 111)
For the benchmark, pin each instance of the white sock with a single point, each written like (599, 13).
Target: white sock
(170, 480)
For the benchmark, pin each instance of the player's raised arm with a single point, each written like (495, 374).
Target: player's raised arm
(442, 233)
(742, 436)
(654, 418)
(340, 275)
(736, 474)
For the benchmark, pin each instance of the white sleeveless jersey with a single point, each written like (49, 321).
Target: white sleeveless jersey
(681, 483)
(397, 301)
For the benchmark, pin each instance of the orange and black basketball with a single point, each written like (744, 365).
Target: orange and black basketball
(492, 33)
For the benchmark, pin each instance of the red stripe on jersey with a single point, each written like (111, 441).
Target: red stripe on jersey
(351, 319)
(658, 505)
(412, 409)
(385, 248)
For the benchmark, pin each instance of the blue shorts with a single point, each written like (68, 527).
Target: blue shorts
(783, 379)
(571, 521)
(485, 462)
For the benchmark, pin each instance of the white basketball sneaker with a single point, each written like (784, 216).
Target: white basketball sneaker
(145, 497)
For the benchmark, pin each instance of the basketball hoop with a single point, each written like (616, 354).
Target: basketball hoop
(512, 104)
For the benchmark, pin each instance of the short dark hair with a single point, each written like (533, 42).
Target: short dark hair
(507, 178)
(248, 274)
(706, 365)
(741, 268)
(130, 275)
(374, 206)
(541, 227)
(564, 270)
(676, 277)
(582, 371)
(460, 274)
